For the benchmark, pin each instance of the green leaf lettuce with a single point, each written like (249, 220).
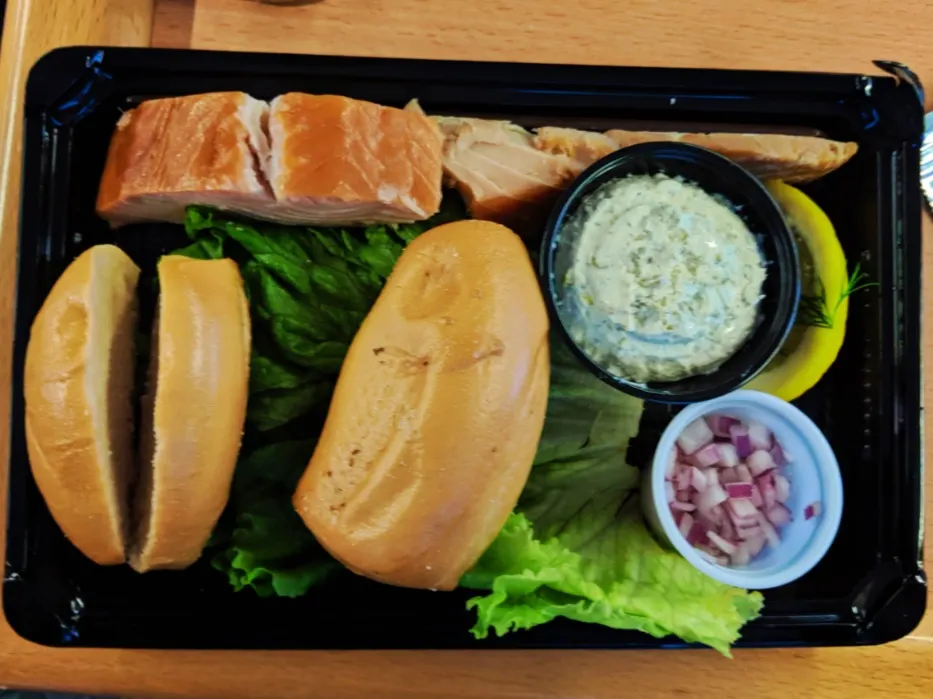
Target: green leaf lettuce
(577, 545)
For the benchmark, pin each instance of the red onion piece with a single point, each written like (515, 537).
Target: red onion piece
(707, 456)
(742, 556)
(748, 532)
(670, 468)
(777, 455)
(759, 436)
(728, 455)
(742, 508)
(781, 488)
(697, 479)
(726, 547)
(738, 434)
(697, 533)
(814, 509)
(739, 490)
(712, 496)
(759, 462)
(695, 436)
(728, 475)
(755, 544)
(778, 515)
(771, 535)
(719, 424)
(685, 524)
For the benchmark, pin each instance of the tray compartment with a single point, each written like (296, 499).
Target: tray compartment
(869, 589)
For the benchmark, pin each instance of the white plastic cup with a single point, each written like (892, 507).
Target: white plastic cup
(813, 475)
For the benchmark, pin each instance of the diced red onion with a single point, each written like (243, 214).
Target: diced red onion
(728, 455)
(707, 456)
(748, 532)
(727, 497)
(728, 475)
(777, 455)
(739, 490)
(728, 530)
(759, 462)
(814, 509)
(695, 436)
(670, 468)
(781, 488)
(726, 547)
(712, 496)
(771, 535)
(742, 508)
(738, 434)
(742, 555)
(697, 533)
(768, 493)
(682, 479)
(697, 479)
(755, 544)
(685, 524)
(778, 515)
(719, 424)
(759, 436)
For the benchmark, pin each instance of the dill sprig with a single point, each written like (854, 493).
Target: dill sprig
(814, 310)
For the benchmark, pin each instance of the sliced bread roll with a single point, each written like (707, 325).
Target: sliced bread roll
(78, 387)
(437, 411)
(194, 412)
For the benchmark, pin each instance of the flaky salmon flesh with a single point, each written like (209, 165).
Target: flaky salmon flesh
(303, 159)
(508, 174)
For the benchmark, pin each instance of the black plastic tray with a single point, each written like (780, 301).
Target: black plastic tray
(869, 589)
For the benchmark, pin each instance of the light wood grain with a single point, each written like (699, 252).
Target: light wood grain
(822, 35)
(825, 35)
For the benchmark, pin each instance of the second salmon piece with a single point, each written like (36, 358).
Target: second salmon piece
(338, 161)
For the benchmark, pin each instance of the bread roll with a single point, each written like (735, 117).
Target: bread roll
(78, 388)
(436, 414)
(193, 423)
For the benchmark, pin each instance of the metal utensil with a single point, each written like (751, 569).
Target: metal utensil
(926, 160)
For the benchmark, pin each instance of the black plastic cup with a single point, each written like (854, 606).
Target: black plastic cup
(716, 175)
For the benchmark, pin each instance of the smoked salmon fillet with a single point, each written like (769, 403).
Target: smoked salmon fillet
(340, 161)
(169, 153)
(513, 176)
(306, 159)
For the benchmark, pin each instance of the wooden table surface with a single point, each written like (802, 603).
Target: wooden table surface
(834, 35)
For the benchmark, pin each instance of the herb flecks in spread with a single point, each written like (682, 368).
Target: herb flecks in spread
(665, 279)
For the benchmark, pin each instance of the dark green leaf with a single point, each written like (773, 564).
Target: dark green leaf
(277, 407)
